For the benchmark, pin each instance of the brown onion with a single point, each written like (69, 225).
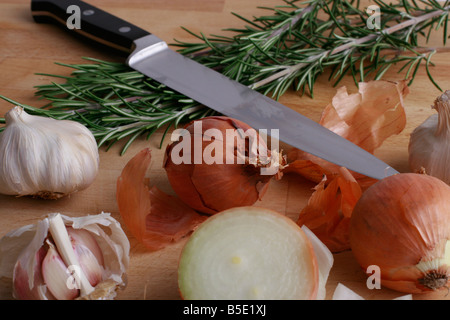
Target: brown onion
(401, 224)
(218, 185)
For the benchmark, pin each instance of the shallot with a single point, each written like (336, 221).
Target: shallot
(219, 163)
(401, 225)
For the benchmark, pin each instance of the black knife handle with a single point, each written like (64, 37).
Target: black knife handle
(88, 21)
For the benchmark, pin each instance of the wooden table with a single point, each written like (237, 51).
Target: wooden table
(27, 48)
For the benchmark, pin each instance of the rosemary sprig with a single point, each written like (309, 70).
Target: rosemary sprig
(293, 46)
(287, 48)
(115, 102)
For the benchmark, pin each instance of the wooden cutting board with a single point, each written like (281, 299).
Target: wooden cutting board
(28, 48)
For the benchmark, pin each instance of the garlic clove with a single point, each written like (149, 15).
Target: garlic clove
(57, 277)
(89, 264)
(81, 237)
(23, 288)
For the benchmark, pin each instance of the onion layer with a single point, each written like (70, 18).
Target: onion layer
(402, 225)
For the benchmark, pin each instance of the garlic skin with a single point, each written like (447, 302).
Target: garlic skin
(103, 256)
(429, 145)
(45, 157)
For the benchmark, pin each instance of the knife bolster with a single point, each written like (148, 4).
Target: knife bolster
(146, 47)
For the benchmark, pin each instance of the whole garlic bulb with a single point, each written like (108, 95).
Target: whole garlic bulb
(45, 157)
(429, 145)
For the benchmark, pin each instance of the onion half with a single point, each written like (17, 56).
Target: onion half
(249, 253)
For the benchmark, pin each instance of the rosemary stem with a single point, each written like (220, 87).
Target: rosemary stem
(292, 69)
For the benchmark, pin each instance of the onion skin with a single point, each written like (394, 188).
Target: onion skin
(399, 222)
(155, 218)
(210, 188)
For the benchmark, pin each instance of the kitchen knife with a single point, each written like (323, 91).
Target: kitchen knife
(152, 57)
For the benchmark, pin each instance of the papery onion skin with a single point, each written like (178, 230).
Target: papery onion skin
(210, 188)
(155, 218)
(402, 225)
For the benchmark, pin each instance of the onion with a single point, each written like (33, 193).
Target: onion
(402, 225)
(252, 253)
(211, 172)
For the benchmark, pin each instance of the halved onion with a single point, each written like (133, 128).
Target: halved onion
(248, 253)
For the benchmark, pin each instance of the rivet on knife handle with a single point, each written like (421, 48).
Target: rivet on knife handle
(94, 24)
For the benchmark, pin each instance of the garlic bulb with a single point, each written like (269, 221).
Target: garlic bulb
(45, 157)
(66, 258)
(429, 145)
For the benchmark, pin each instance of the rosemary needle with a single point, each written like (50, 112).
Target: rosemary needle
(289, 48)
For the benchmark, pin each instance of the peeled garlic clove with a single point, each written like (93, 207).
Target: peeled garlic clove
(57, 277)
(45, 157)
(429, 145)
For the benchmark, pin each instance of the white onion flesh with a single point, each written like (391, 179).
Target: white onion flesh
(248, 253)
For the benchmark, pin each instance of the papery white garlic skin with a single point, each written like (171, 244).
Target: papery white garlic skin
(45, 157)
(429, 145)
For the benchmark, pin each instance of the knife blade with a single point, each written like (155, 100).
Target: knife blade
(152, 56)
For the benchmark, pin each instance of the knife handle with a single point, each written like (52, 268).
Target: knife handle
(88, 21)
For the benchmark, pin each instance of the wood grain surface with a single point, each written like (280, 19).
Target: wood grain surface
(27, 48)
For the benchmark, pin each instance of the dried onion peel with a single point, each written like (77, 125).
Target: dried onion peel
(155, 218)
(366, 118)
(402, 225)
(329, 210)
